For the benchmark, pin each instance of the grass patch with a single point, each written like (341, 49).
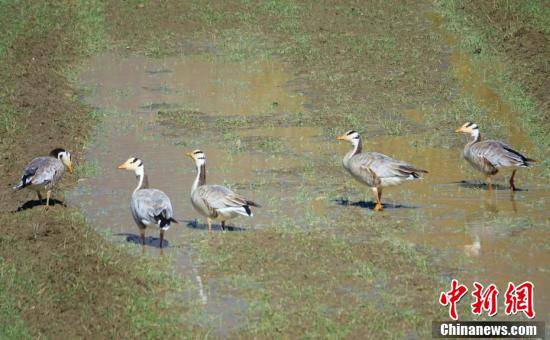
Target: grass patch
(498, 30)
(316, 284)
(57, 275)
(360, 63)
(12, 325)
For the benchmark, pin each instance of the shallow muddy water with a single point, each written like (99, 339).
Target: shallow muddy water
(131, 91)
(503, 235)
(296, 175)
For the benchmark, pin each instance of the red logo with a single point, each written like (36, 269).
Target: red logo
(452, 297)
(517, 299)
(484, 299)
(520, 299)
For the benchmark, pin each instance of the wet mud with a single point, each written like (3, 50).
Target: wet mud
(293, 171)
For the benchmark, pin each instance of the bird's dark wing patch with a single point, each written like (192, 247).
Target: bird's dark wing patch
(163, 220)
(27, 177)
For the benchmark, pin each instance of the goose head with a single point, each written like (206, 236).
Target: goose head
(132, 164)
(64, 156)
(468, 127)
(351, 136)
(198, 156)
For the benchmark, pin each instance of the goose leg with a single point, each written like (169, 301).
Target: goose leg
(223, 225)
(142, 236)
(512, 186)
(380, 208)
(209, 221)
(48, 194)
(39, 195)
(378, 195)
(161, 237)
(489, 183)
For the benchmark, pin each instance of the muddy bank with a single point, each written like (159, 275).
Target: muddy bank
(160, 108)
(58, 276)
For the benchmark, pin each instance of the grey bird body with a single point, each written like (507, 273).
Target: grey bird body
(376, 170)
(149, 207)
(216, 202)
(43, 173)
(489, 156)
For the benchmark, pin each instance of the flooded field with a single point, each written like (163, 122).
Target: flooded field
(293, 171)
(263, 88)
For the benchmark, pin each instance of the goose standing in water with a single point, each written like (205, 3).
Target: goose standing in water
(215, 202)
(43, 173)
(375, 169)
(149, 206)
(489, 155)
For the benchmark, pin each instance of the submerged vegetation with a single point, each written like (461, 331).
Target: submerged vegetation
(398, 68)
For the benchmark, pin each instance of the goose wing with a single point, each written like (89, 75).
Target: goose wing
(152, 206)
(217, 197)
(498, 154)
(40, 171)
(381, 166)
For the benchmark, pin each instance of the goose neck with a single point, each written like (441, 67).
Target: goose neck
(357, 148)
(143, 181)
(476, 137)
(201, 177)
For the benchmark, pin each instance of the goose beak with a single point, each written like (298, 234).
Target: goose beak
(121, 166)
(189, 154)
(70, 167)
(460, 129)
(341, 138)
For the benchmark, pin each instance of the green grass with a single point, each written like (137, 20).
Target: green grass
(57, 275)
(12, 326)
(299, 280)
(26, 21)
(495, 64)
(363, 63)
(101, 286)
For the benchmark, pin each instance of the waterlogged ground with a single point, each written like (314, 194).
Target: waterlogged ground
(243, 115)
(315, 256)
(264, 87)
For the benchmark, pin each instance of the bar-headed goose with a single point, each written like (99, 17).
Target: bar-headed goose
(43, 173)
(150, 207)
(215, 202)
(489, 156)
(375, 169)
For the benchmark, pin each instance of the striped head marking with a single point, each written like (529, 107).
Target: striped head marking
(133, 163)
(468, 127)
(198, 156)
(350, 136)
(64, 156)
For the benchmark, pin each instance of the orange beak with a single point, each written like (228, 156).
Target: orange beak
(341, 138)
(121, 166)
(190, 154)
(459, 129)
(70, 168)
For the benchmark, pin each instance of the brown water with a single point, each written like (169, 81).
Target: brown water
(299, 181)
(131, 90)
(473, 84)
(503, 233)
